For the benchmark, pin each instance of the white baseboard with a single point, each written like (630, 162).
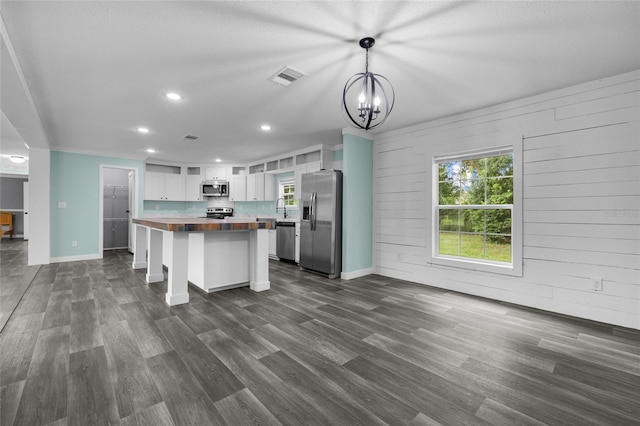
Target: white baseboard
(154, 278)
(176, 299)
(74, 258)
(357, 274)
(260, 286)
(138, 265)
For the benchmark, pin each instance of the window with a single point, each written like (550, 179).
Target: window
(287, 191)
(474, 208)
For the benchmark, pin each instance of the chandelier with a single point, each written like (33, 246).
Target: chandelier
(369, 107)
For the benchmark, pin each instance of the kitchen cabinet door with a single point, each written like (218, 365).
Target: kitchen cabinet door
(238, 189)
(215, 173)
(298, 171)
(173, 187)
(261, 187)
(154, 186)
(314, 166)
(192, 189)
(270, 192)
(251, 187)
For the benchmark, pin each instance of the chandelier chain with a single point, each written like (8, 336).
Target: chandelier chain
(366, 63)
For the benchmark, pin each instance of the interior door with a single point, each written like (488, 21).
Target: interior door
(116, 201)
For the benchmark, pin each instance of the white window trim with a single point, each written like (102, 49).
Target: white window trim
(288, 181)
(515, 267)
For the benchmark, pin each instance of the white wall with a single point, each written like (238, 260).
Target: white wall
(581, 199)
(39, 249)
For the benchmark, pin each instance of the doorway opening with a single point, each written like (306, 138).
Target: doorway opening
(118, 203)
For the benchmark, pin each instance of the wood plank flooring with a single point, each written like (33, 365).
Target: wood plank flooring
(90, 343)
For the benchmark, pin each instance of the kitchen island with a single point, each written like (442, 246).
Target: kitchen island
(213, 254)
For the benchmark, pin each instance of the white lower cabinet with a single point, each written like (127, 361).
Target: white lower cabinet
(218, 260)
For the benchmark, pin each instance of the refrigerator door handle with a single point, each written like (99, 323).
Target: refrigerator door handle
(315, 214)
(314, 197)
(311, 211)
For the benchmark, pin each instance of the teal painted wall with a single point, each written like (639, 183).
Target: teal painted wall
(75, 179)
(173, 207)
(338, 155)
(254, 207)
(357, 203)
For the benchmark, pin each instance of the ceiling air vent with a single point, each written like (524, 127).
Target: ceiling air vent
(191, 137)
(286, 76)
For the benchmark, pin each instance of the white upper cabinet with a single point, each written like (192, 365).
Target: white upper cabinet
(162, 182)
(238, 188)
(153, 186)
(270, 192)
(174, 187)
(215, 173)
(255, 181)
(193, 181)
(261, 187)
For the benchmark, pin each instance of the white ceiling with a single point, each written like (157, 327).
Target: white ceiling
(98, 70)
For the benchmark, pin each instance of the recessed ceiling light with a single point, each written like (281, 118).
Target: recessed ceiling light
(151, 150)
(173, 96)
(17, 159)
(143, 130)
(218, 160)
(265, 127)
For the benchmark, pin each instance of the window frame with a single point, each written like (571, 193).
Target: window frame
(281, 184)
(484, 265)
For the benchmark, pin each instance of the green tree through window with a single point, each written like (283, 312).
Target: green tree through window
(288, 193)
(475, 205)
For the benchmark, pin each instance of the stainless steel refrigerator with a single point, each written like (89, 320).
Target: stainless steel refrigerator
(321, 223)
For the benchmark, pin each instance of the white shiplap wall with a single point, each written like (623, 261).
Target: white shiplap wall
(580, 194)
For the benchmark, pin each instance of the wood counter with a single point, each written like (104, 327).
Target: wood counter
(198, 224)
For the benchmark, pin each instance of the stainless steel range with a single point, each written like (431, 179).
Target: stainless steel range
(219, 212)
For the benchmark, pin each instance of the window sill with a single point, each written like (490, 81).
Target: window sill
(512, 269)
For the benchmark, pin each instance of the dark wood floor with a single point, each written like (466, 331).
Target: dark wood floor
(91, 343)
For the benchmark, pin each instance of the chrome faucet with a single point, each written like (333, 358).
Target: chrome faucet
(284, 204)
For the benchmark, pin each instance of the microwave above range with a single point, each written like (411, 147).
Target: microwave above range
(214, 188)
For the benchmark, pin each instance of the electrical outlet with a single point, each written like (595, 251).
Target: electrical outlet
(157, 206)
(74, 244)
(596, 284)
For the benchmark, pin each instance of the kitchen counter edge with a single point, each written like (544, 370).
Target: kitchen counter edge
(183, 224)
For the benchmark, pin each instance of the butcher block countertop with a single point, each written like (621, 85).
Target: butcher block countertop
(197, 224)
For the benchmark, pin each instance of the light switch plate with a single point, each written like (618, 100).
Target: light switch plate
(62, 204)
